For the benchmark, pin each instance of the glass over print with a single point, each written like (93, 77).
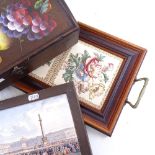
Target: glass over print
(41, 127)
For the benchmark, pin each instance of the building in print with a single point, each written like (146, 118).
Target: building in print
(4, 148)
(64, 140)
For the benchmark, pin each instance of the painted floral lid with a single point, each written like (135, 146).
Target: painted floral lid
(28, 26)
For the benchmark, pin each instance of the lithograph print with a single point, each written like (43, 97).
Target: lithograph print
(44, 127)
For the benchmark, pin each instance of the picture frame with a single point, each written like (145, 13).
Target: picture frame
(123, 58)
(47, 121)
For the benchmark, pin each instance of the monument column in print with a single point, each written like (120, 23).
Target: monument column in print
(44, 139)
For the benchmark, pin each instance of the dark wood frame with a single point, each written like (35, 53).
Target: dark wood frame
(67, 89)
(133, 55)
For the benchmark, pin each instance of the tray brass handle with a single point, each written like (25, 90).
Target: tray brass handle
(146, 80)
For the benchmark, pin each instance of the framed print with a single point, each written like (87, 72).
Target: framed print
(45, 122)
(103, 69)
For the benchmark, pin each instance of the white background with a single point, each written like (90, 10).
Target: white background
(132, 20)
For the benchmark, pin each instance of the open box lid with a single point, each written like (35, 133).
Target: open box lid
(47, 120)
(29, 27)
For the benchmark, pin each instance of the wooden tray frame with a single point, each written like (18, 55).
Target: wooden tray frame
(133, 55)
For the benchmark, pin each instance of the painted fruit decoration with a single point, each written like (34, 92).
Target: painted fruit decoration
(4, 42)
(26, 18)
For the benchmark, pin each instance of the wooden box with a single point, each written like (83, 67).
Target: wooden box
(33, 32)
(103, 68)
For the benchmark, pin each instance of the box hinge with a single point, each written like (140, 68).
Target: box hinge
(16, 74)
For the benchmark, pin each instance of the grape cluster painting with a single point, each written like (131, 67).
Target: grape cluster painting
(26, 18)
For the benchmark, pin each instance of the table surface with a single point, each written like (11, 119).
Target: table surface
(133, 21)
